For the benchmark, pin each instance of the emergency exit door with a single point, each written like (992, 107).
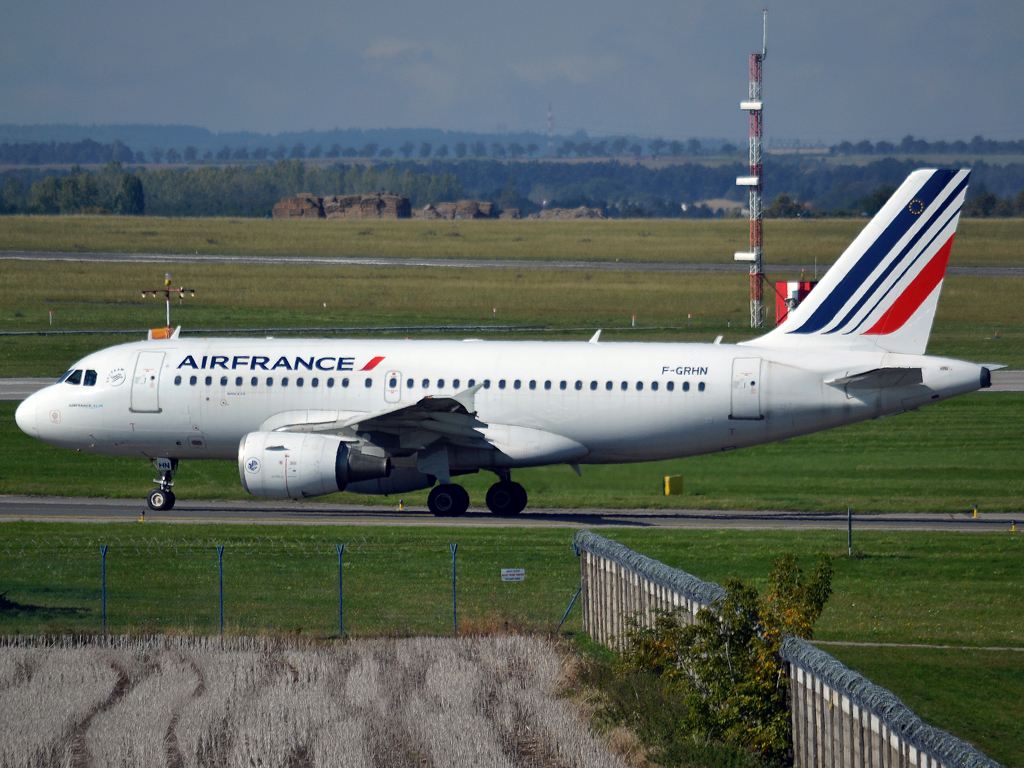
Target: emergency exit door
(146, 383)
(746, 388)
(392, 387)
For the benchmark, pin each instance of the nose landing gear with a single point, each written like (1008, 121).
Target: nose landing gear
(161, 499)
(505, 498)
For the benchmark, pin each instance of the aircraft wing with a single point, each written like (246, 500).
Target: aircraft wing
(412, 427)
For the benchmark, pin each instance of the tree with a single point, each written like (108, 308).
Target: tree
(887, 148)
(298, 151)
(636, 151)
(693, 146)
(566, 149)
(497, 149)
(619, 146)
(675, 148)
(129, 199)
(387, 152)
(368, 150)
(316, 151)
(173, 156)
(260, 153)
(656, 146)
(157, 155)
(1018, 204)
(140, 157)
(872, 204)
(600, 148)
(460, 149)
(728, 149)
(406, 149)
(583, 149)
(334, 151)
(783, 208)
(515, 150)
(531, 149)
(190, 154)
(242, 153)
(864, 148)
(350, 152)
(208, 155)
(509, 195)
(224, 153)
(425, 149)
(479, 150)
(442, 151)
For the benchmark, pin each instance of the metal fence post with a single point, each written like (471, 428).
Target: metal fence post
(849, 530)
(455, 603)
(103, 581)
(341, 594)
(220, 567)
(572, 602)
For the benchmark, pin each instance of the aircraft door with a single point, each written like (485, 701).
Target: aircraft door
(746, 388)
(146, 383)
(392, 387)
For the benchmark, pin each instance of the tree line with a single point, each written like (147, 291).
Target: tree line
(797, 186)
(910, 145)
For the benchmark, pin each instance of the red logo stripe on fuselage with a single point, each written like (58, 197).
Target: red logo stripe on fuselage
(372, 364)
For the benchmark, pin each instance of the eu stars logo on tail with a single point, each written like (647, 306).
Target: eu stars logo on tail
(883, 291)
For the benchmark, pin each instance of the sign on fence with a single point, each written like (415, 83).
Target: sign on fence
(513, 574)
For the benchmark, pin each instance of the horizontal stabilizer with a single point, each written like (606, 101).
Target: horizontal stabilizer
(880, 378)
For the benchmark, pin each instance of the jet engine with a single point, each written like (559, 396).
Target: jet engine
(296, 465)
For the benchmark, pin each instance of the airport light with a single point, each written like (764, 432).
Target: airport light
(167, 290)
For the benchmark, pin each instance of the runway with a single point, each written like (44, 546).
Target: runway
(517, 264)
(19, 389)
(82, 510)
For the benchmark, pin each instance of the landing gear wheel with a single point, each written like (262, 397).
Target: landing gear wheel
(506, 499)
(160, 501)
(448, 500)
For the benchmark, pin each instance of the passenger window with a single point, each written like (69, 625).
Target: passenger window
(344, 382)
(314, 383)
(533, 384)
(501, 384)
(700, 387)
(654, 386)
(686, 386)
(487, 383)
(517, 384)
(639, 386)
(392, 382)
(579, 385)
(608, 386)
(192, 380)
(223, 381)
(625, 386)
(74, 378)
(561, 385)
(426, 383)
(177, 381)
(284, 381)
(471, 383)
(369, 383)
(670, 386)
(209, 381)
(410, 383)
(238, 381)
(270, 381)
(455, 383)
(299, 382)
(593, 385)
(90, 379)
(547, 385)
(330, 383)
(440, 383)
(254, 381)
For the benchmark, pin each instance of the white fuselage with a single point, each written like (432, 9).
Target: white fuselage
(543, 402)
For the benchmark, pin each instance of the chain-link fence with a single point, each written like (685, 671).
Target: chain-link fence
(395, 584)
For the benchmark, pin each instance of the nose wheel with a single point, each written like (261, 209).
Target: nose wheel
(162, 498)
(506, 499)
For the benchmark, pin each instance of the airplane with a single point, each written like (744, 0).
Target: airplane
(310, 417)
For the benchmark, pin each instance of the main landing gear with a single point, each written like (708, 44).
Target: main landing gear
(161, 499)
(504, 498)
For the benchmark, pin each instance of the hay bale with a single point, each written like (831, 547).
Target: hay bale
(446, 210)
(303, 206)
(510, 213)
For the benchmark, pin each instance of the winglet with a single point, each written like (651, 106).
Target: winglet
(595, 337)
(467, 397)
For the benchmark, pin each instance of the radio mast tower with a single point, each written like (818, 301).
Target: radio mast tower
(755, 182)
(551, 131)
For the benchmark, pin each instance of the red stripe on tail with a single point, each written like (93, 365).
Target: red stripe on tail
(913, 297)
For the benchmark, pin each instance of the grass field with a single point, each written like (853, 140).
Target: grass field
(902, 587)
(669, 307)
(979, 242)
(944, 458)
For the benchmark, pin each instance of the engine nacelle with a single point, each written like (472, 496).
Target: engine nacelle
(399, 481)
(298, 465)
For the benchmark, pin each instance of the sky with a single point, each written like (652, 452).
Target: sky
(856, 70)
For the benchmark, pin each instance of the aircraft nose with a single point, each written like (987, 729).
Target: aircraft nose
(25, 416)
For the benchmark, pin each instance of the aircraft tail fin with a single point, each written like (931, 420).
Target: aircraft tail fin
(883, 291)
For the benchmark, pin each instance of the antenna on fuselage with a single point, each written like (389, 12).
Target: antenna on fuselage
(167, 290)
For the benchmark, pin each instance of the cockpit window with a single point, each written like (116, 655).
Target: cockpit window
(64, 377)
(90, 378)
(75, 377)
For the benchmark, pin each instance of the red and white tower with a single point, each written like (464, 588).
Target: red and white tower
(755, 182)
